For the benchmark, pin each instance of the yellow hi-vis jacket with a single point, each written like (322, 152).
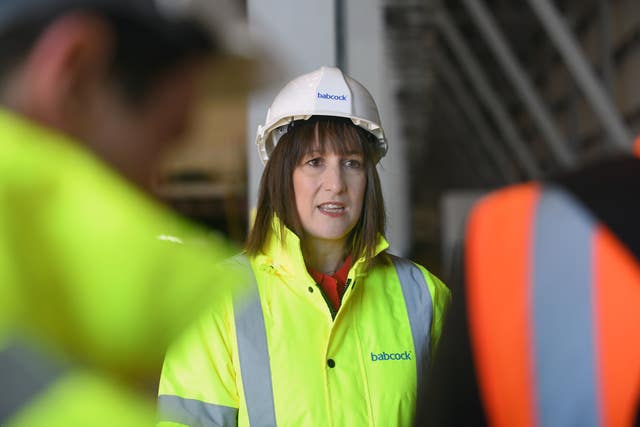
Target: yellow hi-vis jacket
(92, 287)
(280, 356)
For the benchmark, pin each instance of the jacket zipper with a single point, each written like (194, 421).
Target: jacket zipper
(326, 300)
(332, 311)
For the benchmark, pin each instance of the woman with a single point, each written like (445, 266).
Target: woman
(337, 332)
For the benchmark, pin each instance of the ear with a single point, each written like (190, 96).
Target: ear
(67, 64)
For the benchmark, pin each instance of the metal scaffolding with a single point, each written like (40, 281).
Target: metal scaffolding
(471, 111)
(519, 79)
(491, 100)
(582, 72)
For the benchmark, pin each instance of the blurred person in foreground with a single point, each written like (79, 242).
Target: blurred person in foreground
(545, 327)
(338, 331)
(92, 281)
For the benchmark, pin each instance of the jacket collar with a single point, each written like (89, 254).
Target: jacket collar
(284, 256)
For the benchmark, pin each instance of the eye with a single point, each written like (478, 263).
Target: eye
(353, 163)
(315, 162)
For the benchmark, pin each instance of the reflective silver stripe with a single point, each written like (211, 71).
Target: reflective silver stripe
(23, 374)
(563, 313)
(195, 413)
(254, 357)
(417, 299)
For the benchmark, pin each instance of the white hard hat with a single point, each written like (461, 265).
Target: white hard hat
(323, 92)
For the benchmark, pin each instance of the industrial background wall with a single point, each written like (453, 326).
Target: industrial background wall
(474, 94)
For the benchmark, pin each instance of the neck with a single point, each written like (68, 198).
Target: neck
(323, 255)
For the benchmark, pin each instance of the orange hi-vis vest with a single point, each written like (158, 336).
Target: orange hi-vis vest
(547, 330)
(558, 327)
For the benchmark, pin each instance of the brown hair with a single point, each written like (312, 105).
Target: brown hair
(275, 196)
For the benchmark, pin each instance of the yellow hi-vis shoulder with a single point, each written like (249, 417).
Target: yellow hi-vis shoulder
(279, 356)
(91, 272)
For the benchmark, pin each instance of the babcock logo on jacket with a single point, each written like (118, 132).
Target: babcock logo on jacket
(381, 357)
(332, 97)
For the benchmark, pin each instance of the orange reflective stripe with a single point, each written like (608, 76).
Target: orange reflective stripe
(617, 288)
(499, 298)
(636, 147)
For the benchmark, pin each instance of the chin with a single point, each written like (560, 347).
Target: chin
(337, 235)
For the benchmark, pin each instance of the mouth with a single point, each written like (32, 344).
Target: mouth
(332, 209)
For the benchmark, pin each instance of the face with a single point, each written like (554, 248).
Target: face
(133, 137)
(65, 83)
(329, 192)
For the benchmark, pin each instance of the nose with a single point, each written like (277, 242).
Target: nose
(334, 179)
